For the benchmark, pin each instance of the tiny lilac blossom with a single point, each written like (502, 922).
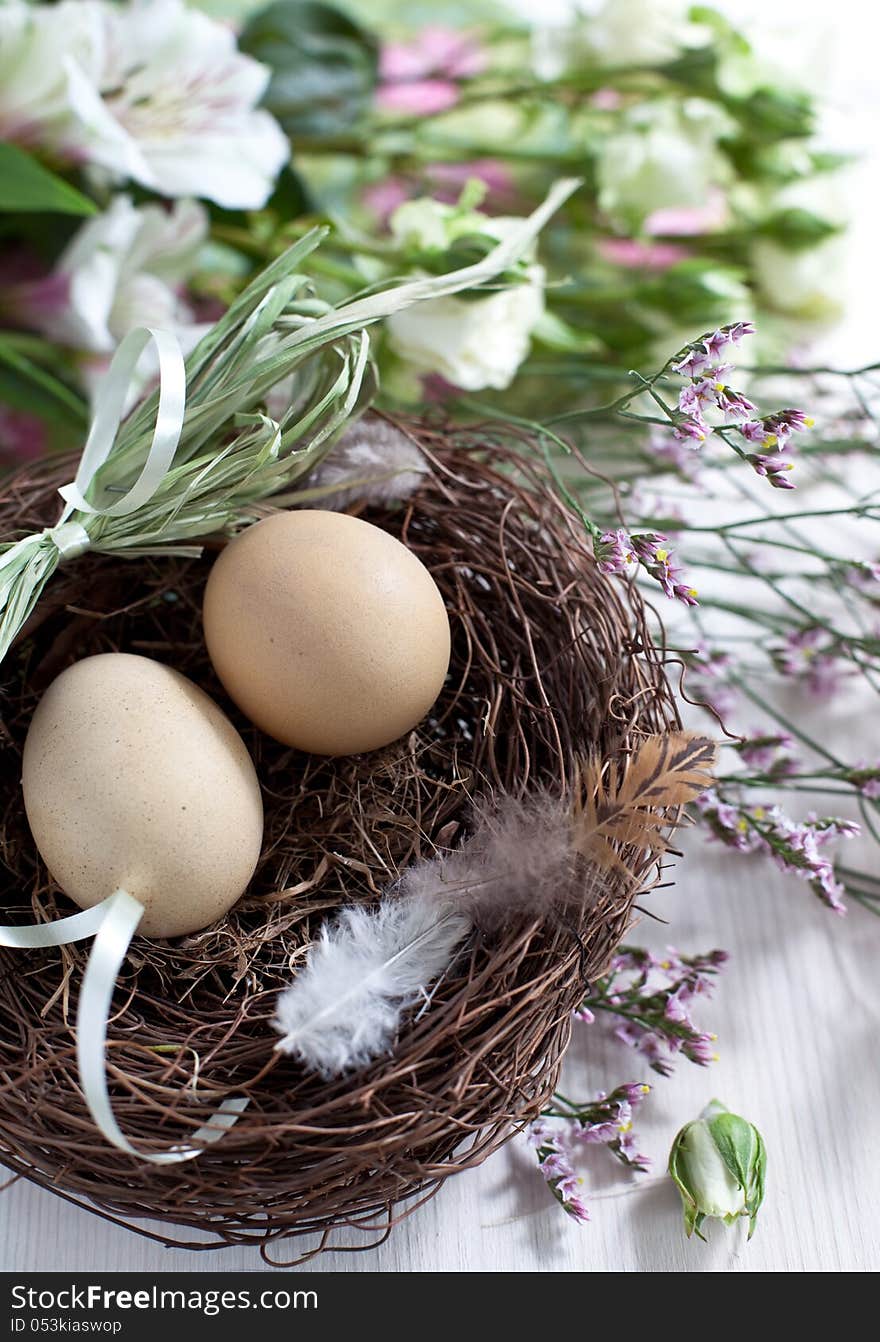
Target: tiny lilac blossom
(809, 656)
(795, 846)
(773, 469)
(617, 550)
(652, 997)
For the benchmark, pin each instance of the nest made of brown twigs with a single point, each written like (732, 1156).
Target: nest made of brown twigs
(551, 662)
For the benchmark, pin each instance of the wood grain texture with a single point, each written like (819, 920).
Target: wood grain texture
(797, 1015)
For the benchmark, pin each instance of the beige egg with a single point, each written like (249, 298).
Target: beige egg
(326, 631)
(134, 779)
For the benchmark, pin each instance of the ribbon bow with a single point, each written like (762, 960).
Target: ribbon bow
(114, 921)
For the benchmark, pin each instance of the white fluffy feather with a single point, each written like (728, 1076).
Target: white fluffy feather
(365, 969)
(373, 462)
(531, 857)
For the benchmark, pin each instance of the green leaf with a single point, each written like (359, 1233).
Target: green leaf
(26, 185)
(324, 66)
(742, 1149)
(797, 229)
(552, 332)
(756, 1190)
(29, 386)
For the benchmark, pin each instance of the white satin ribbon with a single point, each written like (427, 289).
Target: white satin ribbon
(109, 411)
(112, 923)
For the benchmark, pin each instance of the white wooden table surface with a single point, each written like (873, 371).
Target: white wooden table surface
(796, 1012)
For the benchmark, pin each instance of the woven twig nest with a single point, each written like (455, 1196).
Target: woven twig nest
(551, 662)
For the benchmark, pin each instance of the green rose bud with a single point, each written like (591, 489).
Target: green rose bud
(719, 1164)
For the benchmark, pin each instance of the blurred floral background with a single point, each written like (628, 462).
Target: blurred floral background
(189, 144)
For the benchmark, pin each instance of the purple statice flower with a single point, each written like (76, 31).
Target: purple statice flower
(774, 431)
(554, 1164)
(783, 424)
(773, 469)
(866, 779)
(709, 348)
(767, 752)
(608, 1121)
(687, 428)
(651, 997)
(808, 656)
(732, 403)
(710, 675)
(650, 548)
(616, 550)
(695, 361)
(712, 392)
(863, 574)
(795, 846)
(753, 431)
(708, 387)
(728, 823)
(678, 454)
(698, 396)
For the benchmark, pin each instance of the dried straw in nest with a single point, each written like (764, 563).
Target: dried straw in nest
(551, 662)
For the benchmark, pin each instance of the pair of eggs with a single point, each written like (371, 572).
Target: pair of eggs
(328, 633)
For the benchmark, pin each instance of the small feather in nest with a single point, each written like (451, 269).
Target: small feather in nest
(535, 857)
(373, 462)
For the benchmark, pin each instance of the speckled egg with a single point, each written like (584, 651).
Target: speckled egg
(134, 779)
(327, 632)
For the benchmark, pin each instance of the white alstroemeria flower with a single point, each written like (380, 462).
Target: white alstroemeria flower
(188, 98)
(53, 61)
(150, 91)
(665, 154)
(122, 269)
(473, 342)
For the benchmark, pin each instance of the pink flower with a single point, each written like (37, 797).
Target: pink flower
(606, 100)
(421, 76)
(420, 97)
(635, 255)
(687, 221)
(453, 176)
(444, 181)
(383, 198)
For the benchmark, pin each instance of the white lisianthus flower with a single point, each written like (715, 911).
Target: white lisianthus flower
(473, 343)
(665, 154)
(638, 32)
(809, 283)
(150, 91)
